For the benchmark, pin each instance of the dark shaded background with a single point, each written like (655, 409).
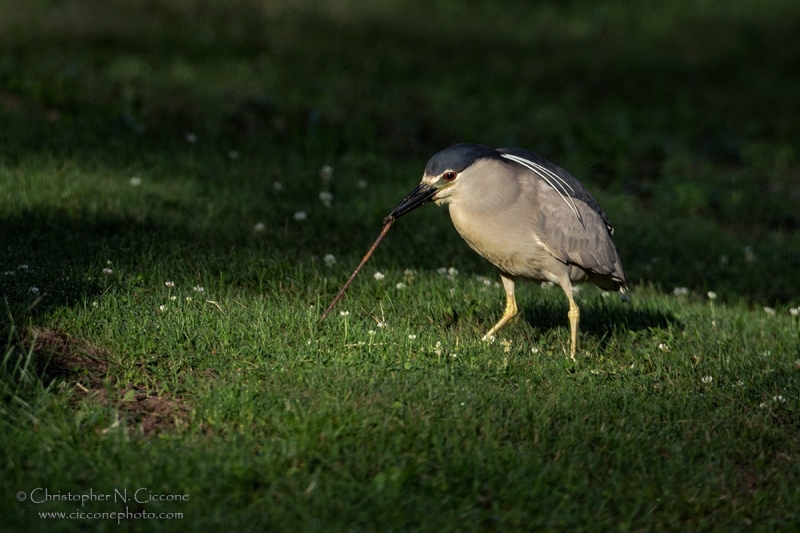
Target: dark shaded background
(680, 118)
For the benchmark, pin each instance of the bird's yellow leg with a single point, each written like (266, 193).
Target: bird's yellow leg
(510, 311)
(574, 319)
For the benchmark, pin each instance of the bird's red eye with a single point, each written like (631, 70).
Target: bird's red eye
(449, 176)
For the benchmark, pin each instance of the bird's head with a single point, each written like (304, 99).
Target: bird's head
(445, 173)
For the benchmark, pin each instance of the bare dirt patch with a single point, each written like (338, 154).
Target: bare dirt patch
(60, 356)
(151, 413)
(85, 366)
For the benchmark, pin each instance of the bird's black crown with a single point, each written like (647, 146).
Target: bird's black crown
(458, 157)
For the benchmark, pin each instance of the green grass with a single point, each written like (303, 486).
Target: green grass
(149, 140)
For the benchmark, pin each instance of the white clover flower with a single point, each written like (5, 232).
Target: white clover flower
(605, 294)
(198, 288)
(749, 256)
(382, 324)
(300, 216)
(344, 313)
(233, 154)
(680, 291)
(371, 332)
(191, 137)
(663, 347)
(452, 272)
(400, 286)
(9, 273)
(277, 186)
(95, 304)
(260, 226)
(707, 379)
(438, 348)
(162, 308)
(762, 405)
(412, 337)
(108, 262)
(173, 298)
(534, 350)
(136, 181)
(329, 260)
(107, 271)
(362, 184)
(169, 284)
(22, 267)
(547, 285)
(506, 346)
(34, 290)
(188, 298)
(769, 310)
(723, 259)
(794, 311)
(409, 273)
(326, 172)
(378, 276)
(712, 295)
(779, 399)
(327, 198)
(442, 271)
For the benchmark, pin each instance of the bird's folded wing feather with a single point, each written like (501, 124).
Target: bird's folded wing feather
(568, 188)
(587, 245)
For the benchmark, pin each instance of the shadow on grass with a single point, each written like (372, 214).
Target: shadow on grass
(599, 320)
(54, 260)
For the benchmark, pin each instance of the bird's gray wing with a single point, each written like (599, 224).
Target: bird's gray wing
(586, 244)
(568, 188)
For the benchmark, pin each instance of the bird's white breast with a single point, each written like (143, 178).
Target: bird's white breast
(510, 245)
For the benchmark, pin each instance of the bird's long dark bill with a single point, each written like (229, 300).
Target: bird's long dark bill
(420, 196)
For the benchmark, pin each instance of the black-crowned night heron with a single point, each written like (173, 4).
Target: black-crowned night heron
(528, 217)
